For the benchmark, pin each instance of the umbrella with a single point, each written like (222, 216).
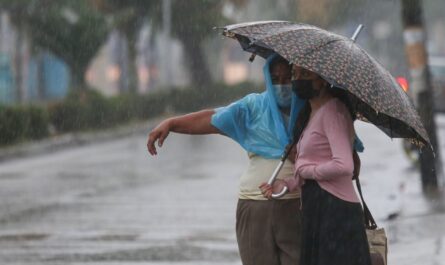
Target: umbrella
(374, 93)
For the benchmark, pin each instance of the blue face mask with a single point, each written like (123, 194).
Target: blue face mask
(283, 95)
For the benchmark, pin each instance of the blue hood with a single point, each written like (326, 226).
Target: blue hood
(255, 121)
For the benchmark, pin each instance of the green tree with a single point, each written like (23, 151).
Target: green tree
(192, 23)
(128, 17)
(72, 30)
(326, 13)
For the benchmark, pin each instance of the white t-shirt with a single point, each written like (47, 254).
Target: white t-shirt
(259, 170)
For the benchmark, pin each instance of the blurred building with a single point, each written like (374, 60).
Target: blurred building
(48, 78)
(6, 75)
(6, 83)
(160, 63)
(236, 66)
(109, 74)
(26, 76)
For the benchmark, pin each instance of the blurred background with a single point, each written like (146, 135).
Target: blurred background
(83, 81)
(112, 50)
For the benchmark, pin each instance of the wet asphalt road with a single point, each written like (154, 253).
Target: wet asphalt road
(111, 203)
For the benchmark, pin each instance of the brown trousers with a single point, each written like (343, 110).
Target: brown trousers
(269, 232)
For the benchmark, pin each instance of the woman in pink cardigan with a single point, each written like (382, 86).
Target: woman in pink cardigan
(333, 226)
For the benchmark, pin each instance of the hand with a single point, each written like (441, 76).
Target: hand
(267, 190)
(278, 186)
(159, 134)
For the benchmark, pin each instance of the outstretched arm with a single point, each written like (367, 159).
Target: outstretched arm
(193, 123)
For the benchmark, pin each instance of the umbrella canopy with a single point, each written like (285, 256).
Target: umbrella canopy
(374, 93)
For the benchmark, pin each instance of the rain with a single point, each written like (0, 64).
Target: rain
(83, 83)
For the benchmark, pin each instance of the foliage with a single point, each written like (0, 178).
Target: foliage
(327, 13)
(192, 24)
(87, 109)
(72, 30)
(90, 110)
(190, 99)
(75, 30)
(81, 110)
(22, 122)
(37, 122)
(128, 17)
(130, 107)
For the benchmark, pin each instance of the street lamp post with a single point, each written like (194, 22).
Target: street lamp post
(414, 36)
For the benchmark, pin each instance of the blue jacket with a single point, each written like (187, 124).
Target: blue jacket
(255, 121)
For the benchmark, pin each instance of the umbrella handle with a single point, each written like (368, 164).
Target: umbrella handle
(272, 179)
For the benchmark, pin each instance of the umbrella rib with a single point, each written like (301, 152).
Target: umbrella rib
(266, 35)
(320, 46)
(348, 41)
(340, 38)
(244, 25)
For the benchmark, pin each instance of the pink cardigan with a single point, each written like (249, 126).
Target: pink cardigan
(324, 152)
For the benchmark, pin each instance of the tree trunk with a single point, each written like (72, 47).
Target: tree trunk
(197, 64)
(121, 59)
(77, 81)
(133, 80)
(414, 33)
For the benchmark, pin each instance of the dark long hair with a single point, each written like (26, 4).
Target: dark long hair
(305, 112)
(344, 97)
(302, 121)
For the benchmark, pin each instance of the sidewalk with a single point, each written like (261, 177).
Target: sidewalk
(415, 225)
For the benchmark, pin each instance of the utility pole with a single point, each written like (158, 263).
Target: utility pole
(415, 36)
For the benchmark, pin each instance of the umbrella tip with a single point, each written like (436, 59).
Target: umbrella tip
(357, 31)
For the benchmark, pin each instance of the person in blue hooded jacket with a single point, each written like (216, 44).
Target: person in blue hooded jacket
(268, 231)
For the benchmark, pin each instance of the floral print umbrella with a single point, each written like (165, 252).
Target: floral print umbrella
(374, 93)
